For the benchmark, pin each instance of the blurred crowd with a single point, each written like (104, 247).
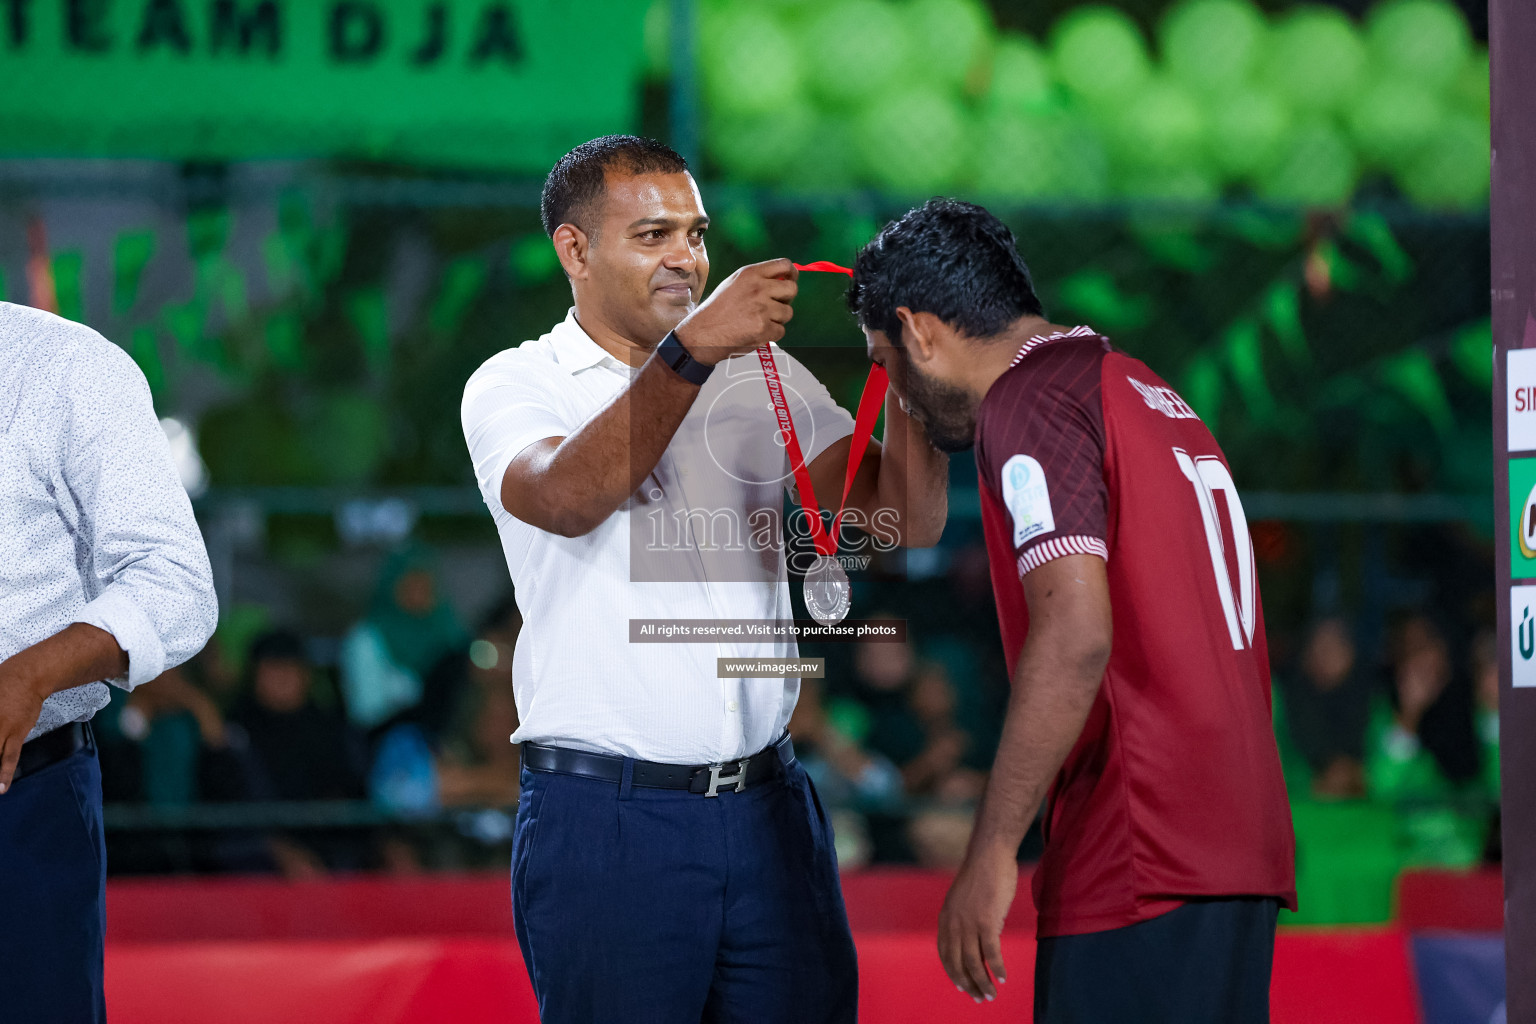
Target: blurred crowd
(410, 716)
(1391, 760)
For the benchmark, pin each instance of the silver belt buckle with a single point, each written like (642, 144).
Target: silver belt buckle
(716, 779)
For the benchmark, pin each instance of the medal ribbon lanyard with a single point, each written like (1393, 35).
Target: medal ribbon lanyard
(870, 403)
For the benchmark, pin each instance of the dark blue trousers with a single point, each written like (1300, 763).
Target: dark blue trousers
(1206, 962)
(649, 906)
(53, 911)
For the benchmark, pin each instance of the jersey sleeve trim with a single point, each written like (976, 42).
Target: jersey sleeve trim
(1060, 547)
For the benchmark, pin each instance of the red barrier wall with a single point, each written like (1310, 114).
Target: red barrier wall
(440, 949)
(1356, 976)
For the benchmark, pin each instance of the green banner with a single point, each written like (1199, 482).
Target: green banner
(485, 84)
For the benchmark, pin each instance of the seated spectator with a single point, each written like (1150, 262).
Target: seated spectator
(939, 836)
(289, 748)
(1485, 695)
(173, 727)
(849, 779)
(882, 676)
(911, 709)
(1422, 752)
(844, 773)
(400, 662)
(938, 770)
(479, 764)
(1326, 708)
(1399, 764)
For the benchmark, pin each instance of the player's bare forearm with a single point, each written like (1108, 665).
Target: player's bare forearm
(1055, 683)
(1052, 693)
(1046, 712)
(569, 485)
(74, 656)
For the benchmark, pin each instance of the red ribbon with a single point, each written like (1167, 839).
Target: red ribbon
(870, 403)
(825, 267)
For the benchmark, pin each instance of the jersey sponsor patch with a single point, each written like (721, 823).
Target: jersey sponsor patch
(1027, 498)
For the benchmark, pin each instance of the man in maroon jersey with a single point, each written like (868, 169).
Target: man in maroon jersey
(1130, 617)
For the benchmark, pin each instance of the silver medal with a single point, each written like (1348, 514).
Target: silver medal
(828, 594)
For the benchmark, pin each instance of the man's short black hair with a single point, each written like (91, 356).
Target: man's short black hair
(277, 645)
(949, 258)
(577, 180)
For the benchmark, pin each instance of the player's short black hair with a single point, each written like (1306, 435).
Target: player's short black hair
(949, 258)
(578, 179)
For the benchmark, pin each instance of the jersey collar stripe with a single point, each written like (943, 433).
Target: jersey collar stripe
(1042, 339)
(1060, 547)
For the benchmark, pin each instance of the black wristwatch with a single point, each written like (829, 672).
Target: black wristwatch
(672, 352)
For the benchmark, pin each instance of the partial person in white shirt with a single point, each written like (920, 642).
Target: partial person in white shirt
(671, 860)
(103, 580)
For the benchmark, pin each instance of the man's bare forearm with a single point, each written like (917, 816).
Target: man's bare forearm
(602, 463)
(583, 480)
(913, 480)
(76, 655)
(1054, 686)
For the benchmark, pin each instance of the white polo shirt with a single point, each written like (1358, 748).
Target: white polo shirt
(700, 539)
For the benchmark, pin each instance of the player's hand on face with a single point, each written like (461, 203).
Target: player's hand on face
(20, 704)
(747, 310)
(971, 923)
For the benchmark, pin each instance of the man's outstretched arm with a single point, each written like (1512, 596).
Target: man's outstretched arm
(1054, 686)
(902, 485)
(569, 485)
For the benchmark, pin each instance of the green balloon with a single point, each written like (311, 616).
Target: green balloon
(954, 36)
(1099, 53)
(658, 39)
(856, 50)
(1169, 210)
(1021, 77)
(1470, 91)
(1317, 168)
(1188, 184)
(1316, 59)
(762, 148)
(1246, 130)
(1451, 170)
(1391, 119)
(913, 140)
(1212, 45)
(830, 160)
(1040, 156)
(750, 62)
(1426, 39)
(1161, 126)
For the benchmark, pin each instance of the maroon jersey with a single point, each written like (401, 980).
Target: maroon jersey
(1174, 788)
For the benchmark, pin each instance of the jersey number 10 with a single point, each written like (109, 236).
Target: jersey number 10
(1210, 477)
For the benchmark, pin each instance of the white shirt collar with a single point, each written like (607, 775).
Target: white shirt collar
(576, 351)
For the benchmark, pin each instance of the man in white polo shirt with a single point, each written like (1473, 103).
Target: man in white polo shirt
(671, 861)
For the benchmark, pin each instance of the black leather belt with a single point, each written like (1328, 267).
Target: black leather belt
(707, 779)
(52, 747)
